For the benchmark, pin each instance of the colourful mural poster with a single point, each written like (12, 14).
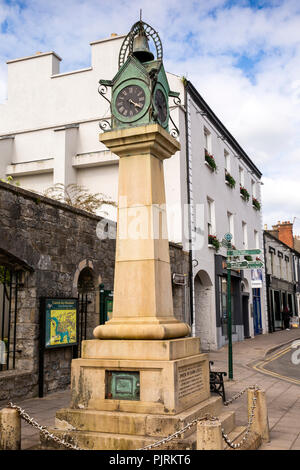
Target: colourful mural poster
(61, 322)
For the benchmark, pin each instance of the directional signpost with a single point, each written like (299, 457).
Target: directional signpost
(234, 262)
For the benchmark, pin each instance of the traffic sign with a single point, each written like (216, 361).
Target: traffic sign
(243, 252)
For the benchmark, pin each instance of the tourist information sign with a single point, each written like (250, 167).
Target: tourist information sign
(237, 265)
(243, 252)
(255, 264)
(245, 264)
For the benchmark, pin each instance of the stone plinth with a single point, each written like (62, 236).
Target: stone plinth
(173, 375)
(174, 390)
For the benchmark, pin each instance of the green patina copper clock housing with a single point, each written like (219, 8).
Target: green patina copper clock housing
(140, 89)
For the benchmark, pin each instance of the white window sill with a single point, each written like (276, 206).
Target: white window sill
(207, 164)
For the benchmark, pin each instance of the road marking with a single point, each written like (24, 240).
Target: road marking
(260, 367)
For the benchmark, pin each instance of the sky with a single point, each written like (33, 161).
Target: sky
(243, 56)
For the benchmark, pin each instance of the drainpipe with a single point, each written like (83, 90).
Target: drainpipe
(189, 190)
(270, 320)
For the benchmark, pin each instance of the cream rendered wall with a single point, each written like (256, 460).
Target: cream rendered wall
(212, 184)
(38, 183)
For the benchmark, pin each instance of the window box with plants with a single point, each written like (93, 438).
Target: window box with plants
(229, 179)
(256, 204)
(210, 161)
(213, 242)
(244, 193)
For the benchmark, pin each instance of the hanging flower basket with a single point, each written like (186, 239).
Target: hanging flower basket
(212, 240)
(210, 160)
(244, 193)
(256, 204)
(229, 179)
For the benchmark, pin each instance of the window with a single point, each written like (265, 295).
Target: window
(272, 262)
(210, 217)
(230, 225)
(280, 258)
(227, 161)
(280, 268)
(245, 235)
(256, 239)
(207, 140)
(253, 188)
(241, 176)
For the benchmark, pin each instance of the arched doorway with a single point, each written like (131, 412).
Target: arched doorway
(204, 317)
(88, 316)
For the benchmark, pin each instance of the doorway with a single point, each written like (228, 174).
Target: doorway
(245, 310)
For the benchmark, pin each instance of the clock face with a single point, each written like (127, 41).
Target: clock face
(161, 105)
(130, 101)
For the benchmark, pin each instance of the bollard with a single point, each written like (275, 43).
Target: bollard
(209, 435)
(260, 423)
(10, 429)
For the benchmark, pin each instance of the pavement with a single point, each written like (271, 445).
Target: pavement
(251, 365)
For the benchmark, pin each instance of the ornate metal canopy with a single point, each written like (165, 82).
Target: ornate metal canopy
(127, 46)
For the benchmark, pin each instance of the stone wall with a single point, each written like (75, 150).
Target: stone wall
(53, 243)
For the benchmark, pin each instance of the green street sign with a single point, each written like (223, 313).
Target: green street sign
(245, 264)
(237, 264)
(243, 252)
(255, 264)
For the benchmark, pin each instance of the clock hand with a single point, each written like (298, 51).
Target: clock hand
(135, 104)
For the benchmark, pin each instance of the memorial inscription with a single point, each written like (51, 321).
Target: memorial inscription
(190, 380)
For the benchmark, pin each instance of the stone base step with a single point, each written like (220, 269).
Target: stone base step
(106, 441)
(227, 419)
(252, 442)
(136, 424)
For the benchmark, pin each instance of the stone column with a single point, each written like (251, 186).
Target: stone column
(143, 307)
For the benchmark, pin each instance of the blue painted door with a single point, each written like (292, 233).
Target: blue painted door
(257, 311)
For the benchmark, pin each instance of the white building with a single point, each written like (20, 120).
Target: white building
(49, 134)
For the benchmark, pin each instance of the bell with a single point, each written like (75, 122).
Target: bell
(141, 48)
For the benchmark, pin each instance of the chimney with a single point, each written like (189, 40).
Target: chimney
(285, 232)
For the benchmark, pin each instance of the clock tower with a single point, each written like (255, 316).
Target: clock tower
(142, 375)
(140, 89)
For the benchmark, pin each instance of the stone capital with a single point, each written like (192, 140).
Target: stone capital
(151, 139)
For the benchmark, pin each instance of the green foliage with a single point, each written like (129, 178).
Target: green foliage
(256, 203)
(10, 180)
(78, 197)
(229, 179)
(210, 160)
(212, 240)
(4, 276)
(244, 193)
(184, 80)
